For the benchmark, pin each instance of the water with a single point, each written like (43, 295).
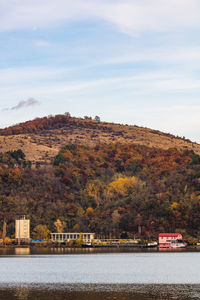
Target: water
(79, 274)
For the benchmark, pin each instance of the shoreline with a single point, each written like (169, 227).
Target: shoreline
(48, 246)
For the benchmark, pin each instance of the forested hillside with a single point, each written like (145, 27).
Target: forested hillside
(108, 189)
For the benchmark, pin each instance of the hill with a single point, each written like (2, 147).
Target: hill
(109, 189)
(42, 138)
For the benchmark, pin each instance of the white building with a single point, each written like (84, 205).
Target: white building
(62, 237)
(22, 229)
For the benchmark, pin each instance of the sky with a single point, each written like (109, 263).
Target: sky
(133, 62)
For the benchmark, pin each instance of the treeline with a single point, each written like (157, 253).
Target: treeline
(39, 125)
(114, 190)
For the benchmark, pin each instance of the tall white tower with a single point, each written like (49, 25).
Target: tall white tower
(22, 229)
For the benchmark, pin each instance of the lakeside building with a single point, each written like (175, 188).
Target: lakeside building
(166, 239)
(22, 229)
(70, 236)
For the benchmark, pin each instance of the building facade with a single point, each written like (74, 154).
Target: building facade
(66, 237)
(166, 239)
(22, 229)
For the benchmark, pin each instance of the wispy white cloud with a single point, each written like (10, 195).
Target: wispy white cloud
(42, 43)
(151, 82)
(138, 16)
(18, 75)
(130, 16)
(170, 55)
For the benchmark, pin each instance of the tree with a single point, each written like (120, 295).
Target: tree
(7, 240)
(123, 185)
(97, 118)
(89, 212)
(115, 217)
(59, 226)
(67, 114)
(41, 232)
(4, 230)
(37, 165)
(87, 118)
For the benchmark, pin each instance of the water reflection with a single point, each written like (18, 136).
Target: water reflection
(72, 250)
(22, 251)
(53, 250)
(173, 250)
(22, 292)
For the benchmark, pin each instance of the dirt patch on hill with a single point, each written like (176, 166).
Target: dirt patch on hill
(43, 146)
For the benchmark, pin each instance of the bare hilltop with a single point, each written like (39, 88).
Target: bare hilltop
(41, 139)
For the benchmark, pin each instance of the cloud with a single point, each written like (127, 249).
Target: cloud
(41, 44)
(27, 103)
(144, 83)
(129, 16)
(136, 16)
(162, 55)
(27, 75)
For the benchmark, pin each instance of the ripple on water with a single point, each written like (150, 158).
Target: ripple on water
(99, 292)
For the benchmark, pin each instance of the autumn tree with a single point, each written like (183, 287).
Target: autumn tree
(41, 232)
(59, 226)
(123, 185)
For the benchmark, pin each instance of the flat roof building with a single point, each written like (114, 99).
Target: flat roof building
(69, 236)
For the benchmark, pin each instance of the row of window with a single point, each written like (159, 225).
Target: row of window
(70, 236)
(171, 237)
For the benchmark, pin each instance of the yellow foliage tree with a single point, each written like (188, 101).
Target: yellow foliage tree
(59, 226)
(89, 212)
(92, 190)
(41, 232)
(174, 205)
(123, 185)
(7, 240)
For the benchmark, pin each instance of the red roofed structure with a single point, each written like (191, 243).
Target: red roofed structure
(169, 234)
(166, 239)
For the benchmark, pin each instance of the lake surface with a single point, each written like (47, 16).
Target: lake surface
(94, 275)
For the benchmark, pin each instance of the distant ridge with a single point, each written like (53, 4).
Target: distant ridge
(42, 138)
